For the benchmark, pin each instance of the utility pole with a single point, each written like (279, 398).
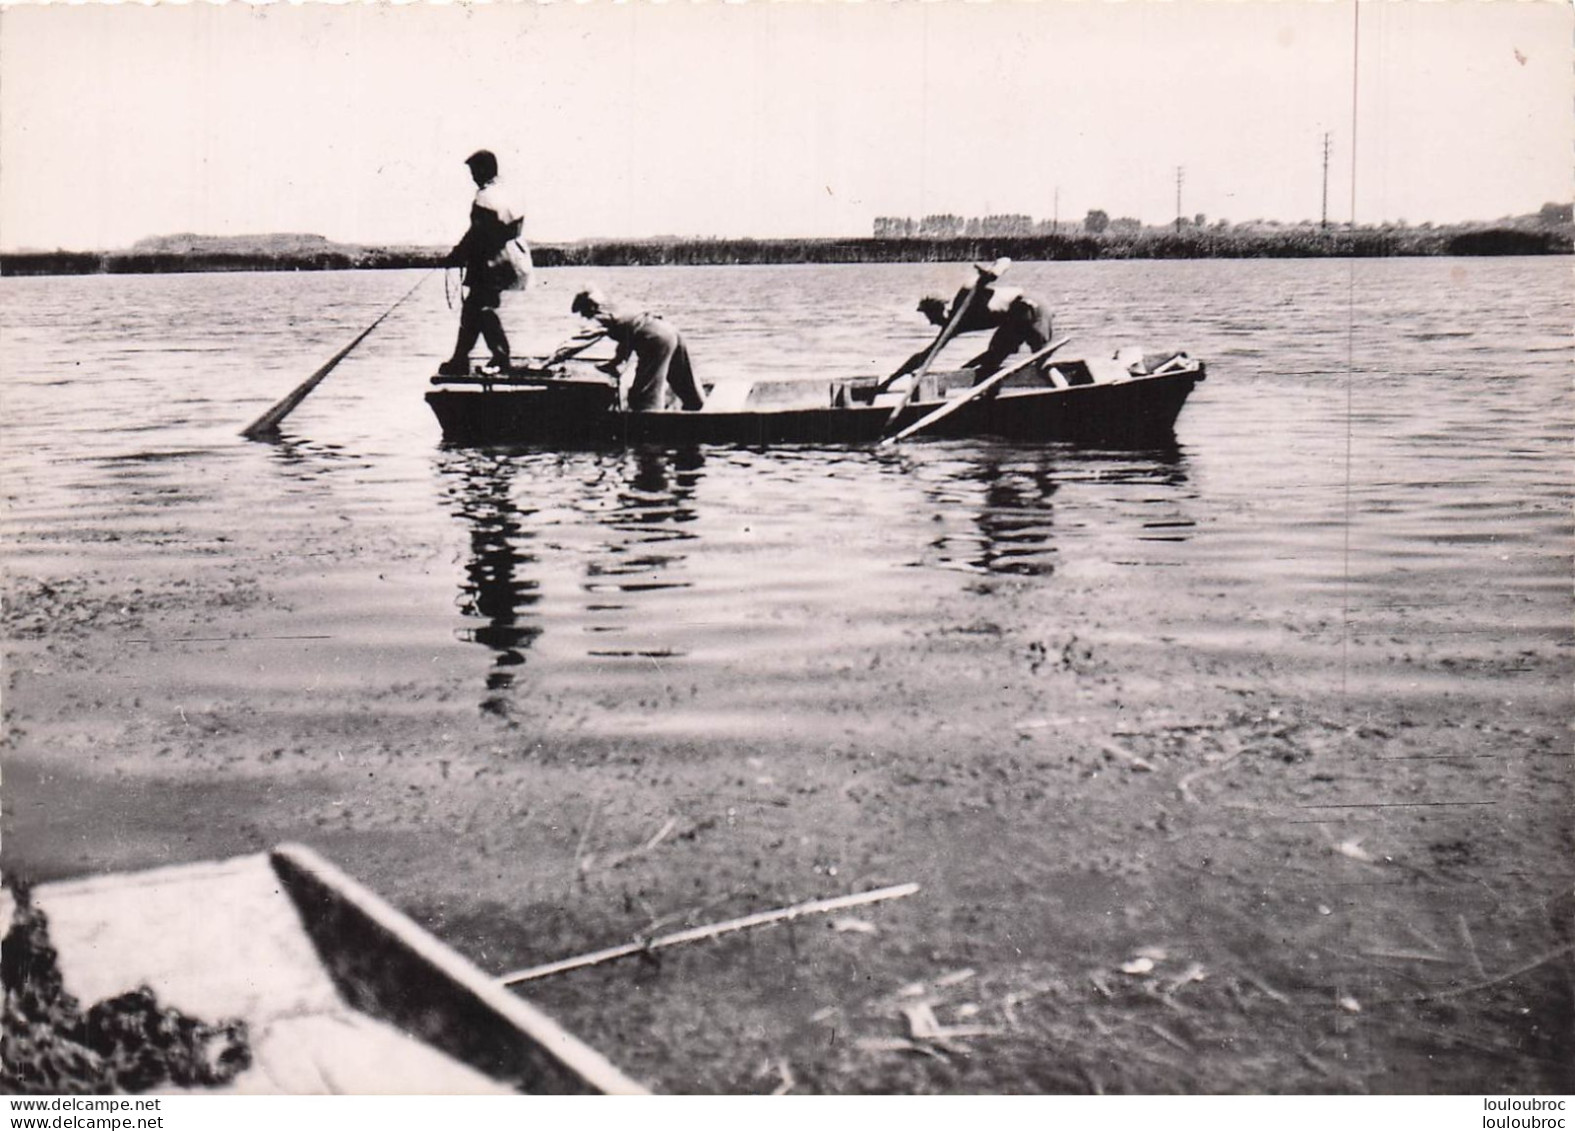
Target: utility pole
(1180, 175)
(1325, 223)
(1055, 216)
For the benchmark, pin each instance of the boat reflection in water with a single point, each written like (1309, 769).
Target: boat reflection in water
(499, 588)
(1010, 497)
(613, 517)
(652, 502)
(738, 560)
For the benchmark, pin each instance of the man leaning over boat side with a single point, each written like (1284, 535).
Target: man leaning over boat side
(1017, 320)
(494, 260)
(661, 357)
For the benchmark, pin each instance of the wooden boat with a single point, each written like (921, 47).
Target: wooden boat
(1126, 401)
(340, 992)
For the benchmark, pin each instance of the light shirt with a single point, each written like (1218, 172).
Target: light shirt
(495, 198)
(1003, 297)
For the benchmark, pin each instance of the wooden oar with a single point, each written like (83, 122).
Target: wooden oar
(941, 341)
(973, 394)
(268, 422)
(948, 332)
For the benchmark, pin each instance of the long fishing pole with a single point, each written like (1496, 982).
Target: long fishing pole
(695, 934)
(268, 423)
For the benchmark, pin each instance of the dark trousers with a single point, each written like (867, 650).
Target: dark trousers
(478, 318)
(661, 363)
(1026, 324)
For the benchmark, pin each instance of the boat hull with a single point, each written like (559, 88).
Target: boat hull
(1136, 412)
(338, 991)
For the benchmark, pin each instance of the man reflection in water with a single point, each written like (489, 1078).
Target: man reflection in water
(1017, 320)
(661, 358)
(494, 261)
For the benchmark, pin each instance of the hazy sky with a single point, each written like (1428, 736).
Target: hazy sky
(770, 119)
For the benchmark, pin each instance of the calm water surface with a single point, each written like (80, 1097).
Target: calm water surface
(1372, 435)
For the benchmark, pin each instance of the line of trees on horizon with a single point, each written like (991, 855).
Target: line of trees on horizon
(947, 225)
(939, 239)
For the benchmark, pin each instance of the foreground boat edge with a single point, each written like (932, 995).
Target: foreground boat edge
(388, 966)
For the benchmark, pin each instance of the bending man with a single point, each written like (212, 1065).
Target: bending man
(494, 261)
(1016, 319)
(661, 358)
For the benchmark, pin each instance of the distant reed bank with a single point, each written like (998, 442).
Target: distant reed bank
(1299, 242)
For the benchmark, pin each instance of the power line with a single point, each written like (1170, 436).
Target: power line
(1325, 180)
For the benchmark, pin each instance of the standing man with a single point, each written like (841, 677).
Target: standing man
(494, 260)
(1016, 320)
(661, 358)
